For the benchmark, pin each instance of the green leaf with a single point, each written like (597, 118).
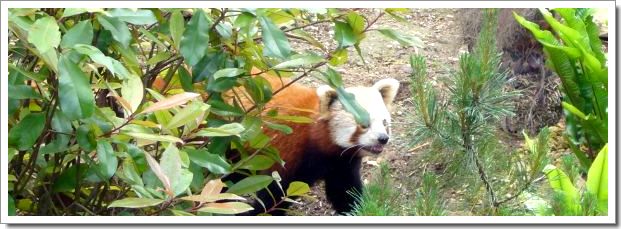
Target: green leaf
(74, 91)
(23, 92)
(258, 162)
(274, 39)
(230, 129)
(133, 202)
(228, 72)
(214, 163)
(333, 77)
(187, 114)
(339, 57)
(280, 127)
(86, 138)
(159, 173)
(597, 178)
(344, 35)
(569, 107)
(96, 55)
(154, 137)
(130, 172)
(294, 119)
(180, 213)
(250, 184)
(228, 208)
(170, 163)
(108, 162)
(81, 33)
(163, 55)
(186, 79)
(560, 183)
(68, 12)
(403, 39)
(132, 91)
(352, 106)
(300, 60)
(12, 153)
(195, 38)
(11, 211)
(31, 75)
(356, 22)
(67, 181)
(137, 17)
(44, 34)
(27, 131)
(297, 188)
(117, 28)
(176, 27)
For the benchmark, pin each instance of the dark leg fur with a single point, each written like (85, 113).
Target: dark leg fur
(344, 178)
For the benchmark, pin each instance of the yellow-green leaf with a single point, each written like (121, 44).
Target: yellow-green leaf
(297, 188)
(44, 34)
(133, 202)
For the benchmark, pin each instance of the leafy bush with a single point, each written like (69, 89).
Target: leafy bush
(132, 112)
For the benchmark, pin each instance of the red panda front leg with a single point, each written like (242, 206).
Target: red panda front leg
(343, 180)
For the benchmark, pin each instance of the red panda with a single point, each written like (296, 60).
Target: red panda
(331, 147)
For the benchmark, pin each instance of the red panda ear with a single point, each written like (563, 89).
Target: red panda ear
(388, 89)
(327, 96)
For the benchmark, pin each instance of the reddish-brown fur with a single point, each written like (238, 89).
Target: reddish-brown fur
(297, 100)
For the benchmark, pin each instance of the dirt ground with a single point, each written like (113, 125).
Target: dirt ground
(443, 42)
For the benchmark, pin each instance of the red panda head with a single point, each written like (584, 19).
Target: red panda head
(344, 130)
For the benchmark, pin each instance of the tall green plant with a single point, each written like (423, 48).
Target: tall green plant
(464, 124)
(575, 53)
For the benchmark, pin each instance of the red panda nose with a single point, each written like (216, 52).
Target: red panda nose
(383, 139)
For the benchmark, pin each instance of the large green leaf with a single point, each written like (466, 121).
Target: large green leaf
(81, 33)
(117, 28)
(213, 162)
(274, 39)
(187, 114)
(195, 38)
(74, 91)
(344, 34)
(176, 27)
(560, 183)
(25, 133)
(136, 17)
(597, 178)
(132, 202)
(96, 55)
(251, 184)
(107, 160)
(44, 34)
(171, 165)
